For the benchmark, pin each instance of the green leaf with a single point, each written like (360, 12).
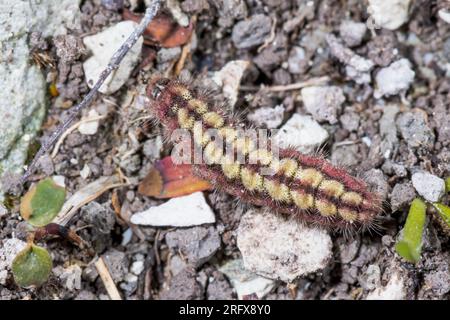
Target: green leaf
(444, 212)
(447, 184)
(42, 202)
(409, 245)
(32, 266)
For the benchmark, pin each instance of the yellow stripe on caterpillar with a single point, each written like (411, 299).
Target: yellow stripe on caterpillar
(184, 119)
(309, 176)
(252, 181)
(325, 208)
(302, 200)
(277, 191)
(213, 119)
(332, 188)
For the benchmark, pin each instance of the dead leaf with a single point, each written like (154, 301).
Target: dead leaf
(163, 30)
(168, 180)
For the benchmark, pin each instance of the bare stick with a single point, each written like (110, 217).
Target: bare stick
(108, 281)
(113, 64)
(294, 86)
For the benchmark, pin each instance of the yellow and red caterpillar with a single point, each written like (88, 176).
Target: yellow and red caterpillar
(303, 186)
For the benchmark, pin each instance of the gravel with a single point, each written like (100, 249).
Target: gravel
(394, 79)
(429, 186)
(251, 32)
(323, 103)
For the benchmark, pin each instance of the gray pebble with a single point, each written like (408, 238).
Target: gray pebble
(251, 32)
(117, 264)
(413, 126)
(376, 179)
(402, 195)
(297, 62)
(352, 32)
(183, 286)
(197, 244)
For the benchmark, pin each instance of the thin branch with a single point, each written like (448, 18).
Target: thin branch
(114, 63)
(294, 86)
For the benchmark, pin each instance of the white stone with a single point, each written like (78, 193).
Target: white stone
(103, 45)
(430, 187)
(59, 180)
(89, 127)
(281, 249)
(352, 32)
(395, 78)
(394, 290)
(245, 282)
(323, 102)
(137, 267)
(8, 251)
(269, 118)
(229, 78)
(186, 211)
(444, 15)
(85, 172)
(301, 132)
(389, 14)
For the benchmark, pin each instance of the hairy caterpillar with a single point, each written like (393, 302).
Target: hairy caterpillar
(304, 186)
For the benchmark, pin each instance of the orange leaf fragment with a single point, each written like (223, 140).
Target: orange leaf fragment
(163, 30)
(169, 180)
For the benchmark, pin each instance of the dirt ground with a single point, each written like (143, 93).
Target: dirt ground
(142, 267)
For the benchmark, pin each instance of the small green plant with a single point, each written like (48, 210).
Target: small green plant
(32, 266)
(409, 244)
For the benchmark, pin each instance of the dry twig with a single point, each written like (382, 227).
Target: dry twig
(107, 280)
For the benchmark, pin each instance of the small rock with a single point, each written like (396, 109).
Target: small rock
(357, 67)
(177, 264)
(229, 10)
(114, 5)
(183, 286)
(103, 45)
(301, 132)
(186, 211)
(90, 127)
(430, 187)
(437, 280)
(392, 168)
(71, 277)
(376, 179)
(8, 251)
(266, 117)
(244, 282)
(371, 278)
(394, 290)
(350, 121)
(137, 267)
(85, 172)
(287, 250)
(229, 78)
(402, 195)
(444, 15)
(68, 48)
(168, 54)
(388, 130)
(352, 32)
(323, 103)
(297, 62)
(197, 244)
(389, 14)
(348, 249)
(117, 264)
(345, 155)
(251, 32)
(219, 289)
(394, 79)
(382, 49)
(152, 148)
(413, 126)
(85, 295)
